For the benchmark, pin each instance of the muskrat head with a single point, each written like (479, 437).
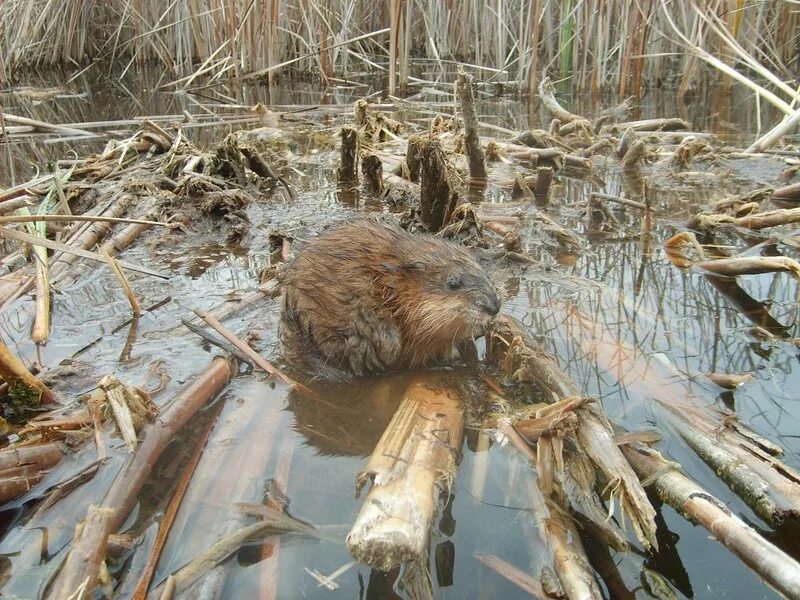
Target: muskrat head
(450, 300)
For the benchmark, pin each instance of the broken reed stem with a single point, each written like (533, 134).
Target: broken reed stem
(15, 374)
(773, 565)
(348, 166)
(414, 460)
(518, 577)
(82, 565)
(42, 456)
(245, 348)
(544, 179)
(557, 532)
(170, 588)
(272, 521)
(171, 511)
(75, 218)
(618, 200)
(466, 101)
(372, 170)
(547, 95)
(438, 198)
(52, 245)
(113, 265)
(41, 320)
(124, 490)
(749, 265)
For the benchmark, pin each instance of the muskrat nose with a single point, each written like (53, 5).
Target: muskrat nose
(491, 304)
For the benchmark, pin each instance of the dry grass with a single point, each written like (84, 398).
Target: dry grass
(606, 43)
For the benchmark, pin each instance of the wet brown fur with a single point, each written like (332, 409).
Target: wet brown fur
(370, 298)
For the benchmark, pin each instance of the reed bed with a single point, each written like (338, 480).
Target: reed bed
(607, 44)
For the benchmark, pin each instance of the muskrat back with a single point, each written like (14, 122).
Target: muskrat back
(369, 298)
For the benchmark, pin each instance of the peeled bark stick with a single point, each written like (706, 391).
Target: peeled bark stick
(770, 138)
(82, 566)
(547, 94)
(552, 157)
(774, 566)
(415, 459)
(348, 167)
(438, 198)
(767, 485)
(38, 241)
(9, 206)
(31, 187)
(168, 518)
(466, 101)
(16, 374)
(76, 218)
(372, 170)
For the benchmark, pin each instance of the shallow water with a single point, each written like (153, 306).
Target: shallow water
(631, 291)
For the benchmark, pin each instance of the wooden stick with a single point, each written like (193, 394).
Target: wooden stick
(157, 435)
(771, 138)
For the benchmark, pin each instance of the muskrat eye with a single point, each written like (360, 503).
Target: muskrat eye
(454, 282)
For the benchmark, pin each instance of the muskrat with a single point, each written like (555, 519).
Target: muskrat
(366, 297)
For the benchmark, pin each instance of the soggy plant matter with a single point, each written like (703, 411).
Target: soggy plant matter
(166, 447)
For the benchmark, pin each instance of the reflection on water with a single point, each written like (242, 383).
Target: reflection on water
(312, 449)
